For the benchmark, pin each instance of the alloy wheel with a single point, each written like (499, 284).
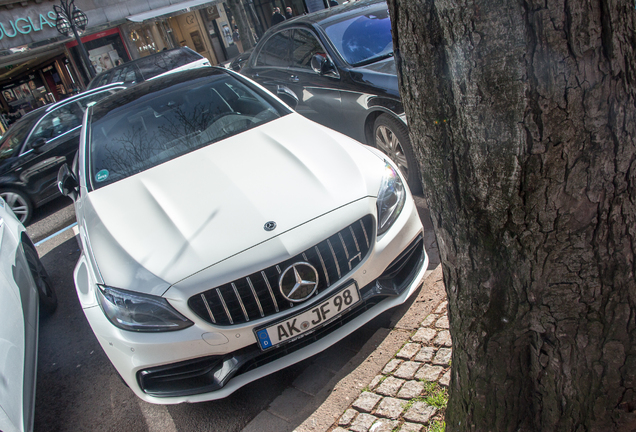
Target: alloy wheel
(18, 204)
(388, 142)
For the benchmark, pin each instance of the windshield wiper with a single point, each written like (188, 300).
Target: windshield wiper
(373, 59)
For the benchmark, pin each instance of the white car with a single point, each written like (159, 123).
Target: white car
(24, 289)
(225, 237)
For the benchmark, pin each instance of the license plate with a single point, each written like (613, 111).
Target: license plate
(307, 321)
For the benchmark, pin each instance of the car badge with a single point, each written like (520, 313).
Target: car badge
(298, 282)
(270, 226)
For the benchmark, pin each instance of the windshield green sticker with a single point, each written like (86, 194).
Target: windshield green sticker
(102, 175)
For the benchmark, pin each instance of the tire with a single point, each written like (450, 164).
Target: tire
(19, 203)
(48, 298)
(392, 138)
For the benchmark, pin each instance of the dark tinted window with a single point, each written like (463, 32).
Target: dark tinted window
(165, 61)
(275, 51)
(304, 47)
(126, 74)
(58, 122)
(99, 81)
(362, 39)
(141, 130)
(17, 133)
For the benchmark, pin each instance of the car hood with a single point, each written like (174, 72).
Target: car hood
(382, 74)
(153, 229)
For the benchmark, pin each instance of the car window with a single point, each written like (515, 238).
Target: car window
(58, 122)
(126, 74)
(99, 81)
(15, 136)
(157, 127)
(275, 51)
(364, 38)
(304, 47)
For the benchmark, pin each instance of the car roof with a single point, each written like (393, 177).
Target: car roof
(79, 96)
(141, 60)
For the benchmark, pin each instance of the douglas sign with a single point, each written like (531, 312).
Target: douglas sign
(26, 25)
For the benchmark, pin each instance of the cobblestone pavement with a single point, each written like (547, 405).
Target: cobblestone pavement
(410, 393)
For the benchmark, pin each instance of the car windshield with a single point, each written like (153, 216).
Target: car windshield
(362, 39)
(17, 134)
(150, 128)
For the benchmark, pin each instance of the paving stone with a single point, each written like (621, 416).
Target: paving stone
(289, 404)
(424, 335)
(366, 402)
(390, 386)
(375, 381)
(312, 380)
(390, 407)
(420, 412)
(406, 427)
(443, 339)
(409, 350)
(384, 425)
(339, 429)
(411, 389)
(362, 423)
(445, 379)
(443, 357)
(429, 373)
(429, 320)
(391, 366)
(347, 417)
(441, 308)
(407, 370)
(443, 322)
(426, 354)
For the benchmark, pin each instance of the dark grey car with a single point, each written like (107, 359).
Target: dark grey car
(339, 64)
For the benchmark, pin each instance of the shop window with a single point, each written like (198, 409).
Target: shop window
(275, 51)
(304, 47)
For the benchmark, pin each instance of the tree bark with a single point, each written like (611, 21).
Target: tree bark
(242, 21)
(523, 117)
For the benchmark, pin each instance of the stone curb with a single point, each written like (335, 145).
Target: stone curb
(303, 411)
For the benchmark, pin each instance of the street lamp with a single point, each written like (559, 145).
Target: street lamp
(70, 21)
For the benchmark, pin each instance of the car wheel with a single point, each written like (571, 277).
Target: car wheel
(48, 298)
(19, 203)
(392, 138)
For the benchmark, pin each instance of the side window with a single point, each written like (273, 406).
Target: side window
(58, 122)
(304, 47)
(275, 51)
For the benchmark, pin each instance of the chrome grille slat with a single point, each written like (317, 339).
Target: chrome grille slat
(324, 269)
(207, 306)
(333, 254)
(227, 311)
(334, 257)
(270, 291)
(238, 296)
(258, 302)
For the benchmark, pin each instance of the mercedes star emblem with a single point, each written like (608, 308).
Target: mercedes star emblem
(270, 226)
(298, 282)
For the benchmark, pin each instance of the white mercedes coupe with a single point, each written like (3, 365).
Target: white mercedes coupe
(224, 237)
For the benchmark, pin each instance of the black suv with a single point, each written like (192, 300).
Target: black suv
(339, 65)
(34, 148)
(151, 66)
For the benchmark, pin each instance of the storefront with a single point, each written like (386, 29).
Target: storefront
(105, 50)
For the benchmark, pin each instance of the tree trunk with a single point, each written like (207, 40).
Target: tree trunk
(242, 21)
(523, 117)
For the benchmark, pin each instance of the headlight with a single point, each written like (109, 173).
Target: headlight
(391, 199)
(139, 312)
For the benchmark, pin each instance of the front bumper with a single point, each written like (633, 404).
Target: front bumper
(206, 362)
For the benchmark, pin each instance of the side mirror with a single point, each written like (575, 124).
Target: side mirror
(287, 96)
(67, 182)
(323, 66)
(38, 143)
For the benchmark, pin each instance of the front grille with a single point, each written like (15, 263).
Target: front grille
(257, 295)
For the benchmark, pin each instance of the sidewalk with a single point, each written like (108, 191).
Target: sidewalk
(396, 382)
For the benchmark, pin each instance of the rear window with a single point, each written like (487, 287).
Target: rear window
(156, 127)
(165, 61)
(99, 81)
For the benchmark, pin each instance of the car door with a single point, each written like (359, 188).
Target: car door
(318, 94)
(270, 67)
(54, 141)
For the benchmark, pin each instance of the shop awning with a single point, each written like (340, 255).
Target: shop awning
(171, 10)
